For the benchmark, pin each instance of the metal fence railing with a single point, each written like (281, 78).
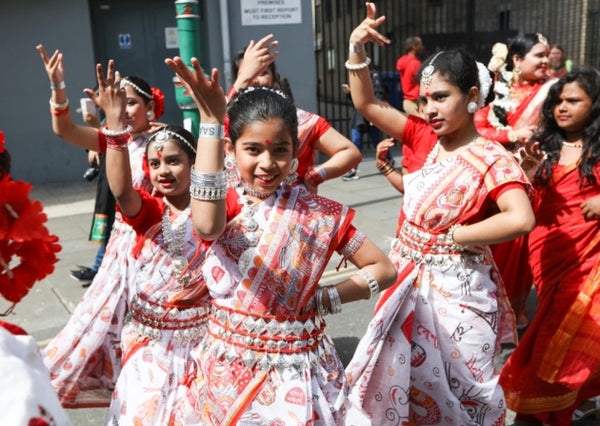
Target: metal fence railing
(471, 24)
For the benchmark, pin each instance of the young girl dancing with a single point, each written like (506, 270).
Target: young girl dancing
(556, 366)
(266, 358)
(428, 354)
(84, 359)
(167, 303)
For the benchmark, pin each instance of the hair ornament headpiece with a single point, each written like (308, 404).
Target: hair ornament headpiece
(265, 88)
(161, 137)
(137, 88)
(542, 39)
(485, 84)
(428, 71)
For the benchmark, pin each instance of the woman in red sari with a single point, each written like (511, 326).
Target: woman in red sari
(521, 87)
(557, 364)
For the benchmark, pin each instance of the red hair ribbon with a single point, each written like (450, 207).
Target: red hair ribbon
(159, 102)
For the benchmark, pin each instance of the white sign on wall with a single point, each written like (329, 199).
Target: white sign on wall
(271, 12)
(171, 38)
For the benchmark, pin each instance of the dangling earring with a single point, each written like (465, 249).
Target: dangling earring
(150, 115)
(472, 107)
(291, 178)
(232, 172)
(517, 73)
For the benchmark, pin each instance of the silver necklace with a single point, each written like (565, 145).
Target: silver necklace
(174, 240)
(253, 192)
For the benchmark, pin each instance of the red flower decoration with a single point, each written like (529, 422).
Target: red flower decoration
(159, 102)
(1, 142)
(27, 250)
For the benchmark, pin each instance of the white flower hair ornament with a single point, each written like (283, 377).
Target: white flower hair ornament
(499, 53)
(485, 84)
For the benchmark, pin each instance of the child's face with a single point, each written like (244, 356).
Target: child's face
(170, 171)
(263, 153)
(135, 111)
(573, 109)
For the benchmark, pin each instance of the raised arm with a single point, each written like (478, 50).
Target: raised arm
(62, 121)
(112, 99)
(257, 58)
(384, 116)
(209, 216)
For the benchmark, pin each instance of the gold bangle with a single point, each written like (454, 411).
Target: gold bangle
(389, 171)
(382, 165)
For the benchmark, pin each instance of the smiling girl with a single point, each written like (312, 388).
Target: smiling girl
(557, 364)
(84, 364)
(167, 303)
(266, 358)
(428, 354)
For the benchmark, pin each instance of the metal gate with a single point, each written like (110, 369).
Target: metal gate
(474, 25)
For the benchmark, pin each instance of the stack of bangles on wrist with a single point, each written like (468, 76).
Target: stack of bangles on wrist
(335, 303)
(208, 186)
(117, 139)
(59, 109)
(385, 168)
(315, 176)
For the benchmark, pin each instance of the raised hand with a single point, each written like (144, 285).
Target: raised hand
(207, 94)
(257, 58)
(366, 30)
(382, 149)
(531, 157)
(53, 65)
(111, 97)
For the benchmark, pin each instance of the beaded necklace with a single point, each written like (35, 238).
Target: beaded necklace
(174, 241)
(572, 144)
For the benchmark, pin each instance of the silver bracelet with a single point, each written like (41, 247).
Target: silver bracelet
(217, 179)
(319, 302)
(335, 302)
(59, 107)
(57, 86)
(368, 276)
(113, 133)
(356, 67)
(354, 244)
(215, 131)
(454, 246)
(208, 193)
(356, 48)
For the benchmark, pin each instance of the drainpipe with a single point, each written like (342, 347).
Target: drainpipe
(228, 79)
(188, 30)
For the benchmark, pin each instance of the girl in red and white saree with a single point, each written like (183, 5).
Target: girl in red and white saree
(557, 364)
(428, 354)
(266, 358)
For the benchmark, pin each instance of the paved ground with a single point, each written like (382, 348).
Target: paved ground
(48, 306)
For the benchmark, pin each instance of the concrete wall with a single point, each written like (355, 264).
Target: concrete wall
(37, 154)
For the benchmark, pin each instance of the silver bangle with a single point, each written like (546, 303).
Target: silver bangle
(215, 131)
(454, 246)
(368, 276)
(113, 133)
(354, 244)
(59, 107)
(356, 48)
(335, 302)
(207, 193)
(356, 67)
(217, 180)
(319, 302)
(57, 86)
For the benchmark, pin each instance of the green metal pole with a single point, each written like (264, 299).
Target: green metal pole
(188, 30)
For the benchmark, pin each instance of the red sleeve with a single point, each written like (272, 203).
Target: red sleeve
(497, 192)
(346, 238)
(150, 214)
(417, 140)
(319, 128)
(487, 129)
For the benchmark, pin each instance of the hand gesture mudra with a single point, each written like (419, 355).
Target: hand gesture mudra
(111, 97)
(207, 94)
(366, 30)
(53, 64)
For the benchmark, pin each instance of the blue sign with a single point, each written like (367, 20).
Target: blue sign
(124, 41)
